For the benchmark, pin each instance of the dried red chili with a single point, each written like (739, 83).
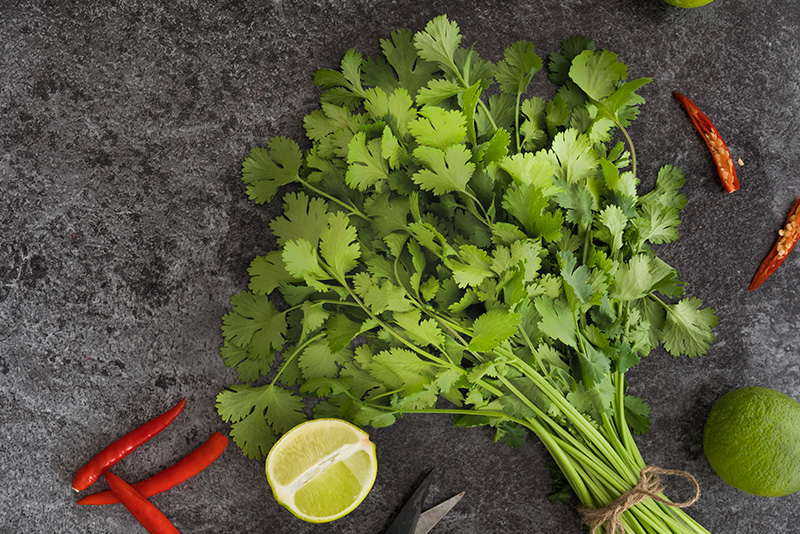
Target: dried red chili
(787, 239)
(182, 470)
(89, 473)
(143, 510)
(717, 147)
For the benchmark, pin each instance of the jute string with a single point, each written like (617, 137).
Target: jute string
(649, 487)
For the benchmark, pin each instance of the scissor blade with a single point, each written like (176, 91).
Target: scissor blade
(406, 520)
(429, 518)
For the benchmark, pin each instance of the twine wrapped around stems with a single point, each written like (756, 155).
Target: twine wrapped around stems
(649, 487)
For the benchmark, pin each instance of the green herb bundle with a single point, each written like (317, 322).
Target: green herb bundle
(453, 245)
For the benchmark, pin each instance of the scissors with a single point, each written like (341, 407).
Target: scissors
(412, 520)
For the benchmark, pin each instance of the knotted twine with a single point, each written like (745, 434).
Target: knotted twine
(649, 487)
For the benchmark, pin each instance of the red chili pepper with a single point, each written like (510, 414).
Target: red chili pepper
(143, 510)
(787, 239)
(183, 470)
(89, 473)
(719, 150)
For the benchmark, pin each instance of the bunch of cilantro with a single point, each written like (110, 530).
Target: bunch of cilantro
(450, 244)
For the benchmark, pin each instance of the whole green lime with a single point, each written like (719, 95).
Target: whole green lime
(688, 3)
(752, 440)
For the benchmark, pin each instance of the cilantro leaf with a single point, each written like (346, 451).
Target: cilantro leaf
(515, 71)
(472, 267)
(303, 218)
(574, 156)
(560, 62)
(437, 91)
(401, 369)
(592, 400)
(597, 73)
(410, 72)
(636, 414)
(340, 331)
(557, 320)
(610, 226)
(622, 105)
(529, 205)
(532, 169)
(264, 171)
(252, 434)
(381, 295)
(658, 223)
(318, 361)
(302, 261)
(314, 316)
(338, 244)
(445, 170)
(259, 414)
(438, 43)
(687, 329)
(633, 279)
(254, 322)
(423, 332)
(439, 128)
(267, 273)
(248, 366)
(666, 191)
(577, 202)
(576, 281)
(623, 183)
(344, 88)
(494, 150)
(367, 167)
(493, 328)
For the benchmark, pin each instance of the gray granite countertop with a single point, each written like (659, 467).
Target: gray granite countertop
(125, 229)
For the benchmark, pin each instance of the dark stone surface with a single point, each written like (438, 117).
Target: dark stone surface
(124, 230)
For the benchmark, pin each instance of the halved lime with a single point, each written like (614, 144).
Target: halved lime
(322, 469)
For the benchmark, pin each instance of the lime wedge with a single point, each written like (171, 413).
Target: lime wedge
(322, 469)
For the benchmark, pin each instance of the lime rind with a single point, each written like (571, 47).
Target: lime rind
(688, 3)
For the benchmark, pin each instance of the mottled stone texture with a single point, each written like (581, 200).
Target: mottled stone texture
(124, 230)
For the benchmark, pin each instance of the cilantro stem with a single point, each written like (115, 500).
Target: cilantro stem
(294, 353)
(623, 429)
(393, 333)
(483, 216)
(587, 241)
(571, 457)
(516, 121)
(452, 329)
(571, 470)
(614, 439)
(452, 66)
(530, 346)
(574, 416)
(352, 209)
(434, 359)
(488, 115)
(630, 145)
(576, 446)
(461, 411)
(384, 394)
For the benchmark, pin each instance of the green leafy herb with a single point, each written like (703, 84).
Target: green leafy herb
(487, 257)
